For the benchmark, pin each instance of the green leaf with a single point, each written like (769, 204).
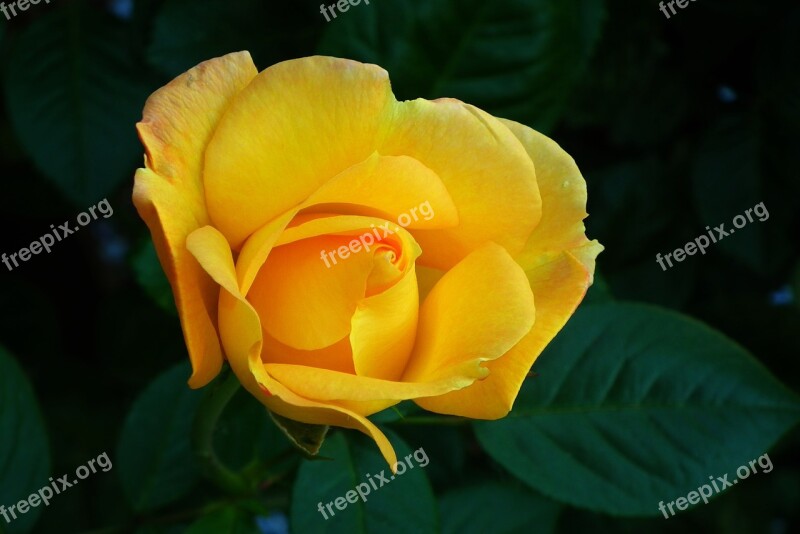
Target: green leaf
(307, 438)
(452, 446)
(151, 277)
(404, 504)
(71, 91)
(24, 453)
(187, 32)
(245, 433)
(156, 464)
(634, 405)
(229, 520)
(497, 507)
(517, 59)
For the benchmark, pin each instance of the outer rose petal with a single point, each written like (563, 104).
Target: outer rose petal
(475, 313)
(559, 261)
(486, 170)
(296, 126)
(178, 122)
(559, 286)
(563, 191)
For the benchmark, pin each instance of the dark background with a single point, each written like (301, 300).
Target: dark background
(676, 124)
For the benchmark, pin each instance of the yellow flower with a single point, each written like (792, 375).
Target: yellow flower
(260, 190)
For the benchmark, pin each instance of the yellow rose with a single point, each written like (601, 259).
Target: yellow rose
(260, 190)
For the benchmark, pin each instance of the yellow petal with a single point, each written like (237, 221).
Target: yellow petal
(257, 248)
(336, 357)
(304, 302)
(327, 385)
(308, 411)
(296, 126)
(484, 167)
(177, 124)
(320, 270)
(240, 331)
(476, 313)
(559, 285)
(400, 188)
(563, 192)
(384, 328)
(213, 253)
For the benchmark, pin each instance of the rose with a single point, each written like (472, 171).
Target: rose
(249, 176)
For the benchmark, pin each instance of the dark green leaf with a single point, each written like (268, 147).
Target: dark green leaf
(156, 463)
(245, 433)
(498, 508)
(449, 444)
(517, 59)
(73, 96)
(24, 453)
(404, 504)
(634, 405)
(187, 32)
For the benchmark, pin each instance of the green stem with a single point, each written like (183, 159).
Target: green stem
(210, 410)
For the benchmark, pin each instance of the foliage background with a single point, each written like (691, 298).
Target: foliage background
(676, 124)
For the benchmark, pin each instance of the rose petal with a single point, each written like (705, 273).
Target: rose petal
(483, 166)
(476, 313)
(563, 191)
(384, 328)
(301, 280)
(296, 126)
(240, 331)
(177, 125)
(396, 186)
(559, 285)
(302, 302)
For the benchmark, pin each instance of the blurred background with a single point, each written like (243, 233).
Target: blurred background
(677, 124)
